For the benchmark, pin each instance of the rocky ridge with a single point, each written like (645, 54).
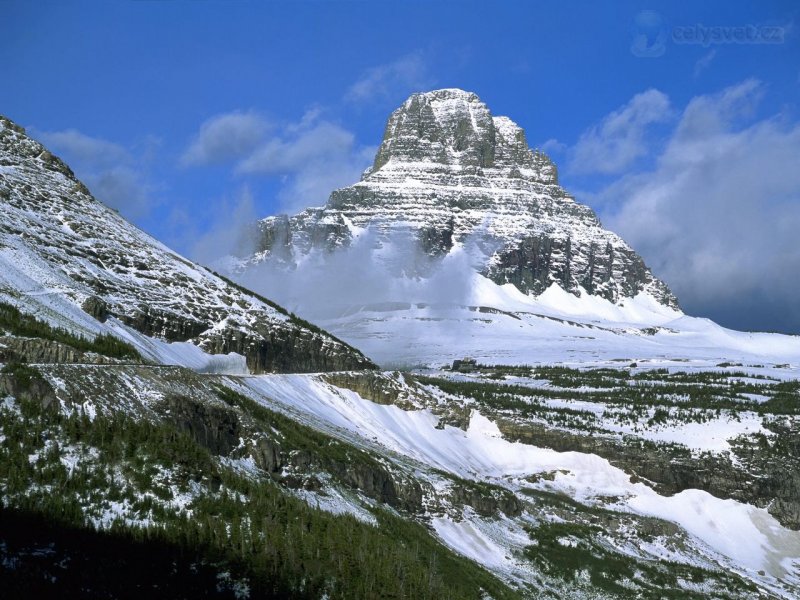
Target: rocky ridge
(62, 252)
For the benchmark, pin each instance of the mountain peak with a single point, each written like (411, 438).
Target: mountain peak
(455, 175)
(453, 130)
(448, 94)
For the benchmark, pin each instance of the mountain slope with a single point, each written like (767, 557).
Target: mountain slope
(76, 263)
(498, 325)
(351, 485)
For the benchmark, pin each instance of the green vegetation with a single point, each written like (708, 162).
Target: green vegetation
(108, 345)
(518, 400)
(117, 494)
(566, 550)
(578, 548)
(573, 551)
(17, 323)
(133, 478)
(544, 408)
(294, 436)
(44, 558)
(707, 390)
(786, 399)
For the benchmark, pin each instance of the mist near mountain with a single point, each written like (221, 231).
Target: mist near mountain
(373, 269)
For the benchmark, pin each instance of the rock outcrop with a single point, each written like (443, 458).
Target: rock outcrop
(214, 428)
(38, 350)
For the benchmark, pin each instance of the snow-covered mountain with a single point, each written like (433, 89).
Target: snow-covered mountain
(458, 241)
(72, 261)
(452, 174)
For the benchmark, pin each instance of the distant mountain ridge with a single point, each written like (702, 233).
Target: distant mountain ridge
(451, 173)
(76, 263)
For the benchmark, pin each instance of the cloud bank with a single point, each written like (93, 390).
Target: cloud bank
(311, 157)
(232, 230)
(224, 138)
(407, 74)
(718, 217)
(375, 268)
(616, 142)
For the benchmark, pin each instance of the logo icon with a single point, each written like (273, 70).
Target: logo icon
(649, 35)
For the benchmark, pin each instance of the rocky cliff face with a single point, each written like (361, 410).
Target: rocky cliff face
(451, 173)
(72, 260)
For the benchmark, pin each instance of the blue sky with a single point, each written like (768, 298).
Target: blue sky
(679, 124)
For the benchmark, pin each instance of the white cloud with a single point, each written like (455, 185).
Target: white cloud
(313, 156)
(83, 148)
(225, 138)
(123, 188)
(718, 217)
(311, 185)
(405, 75)
(704, 62)
(231, 232)
(553, 146)
(373, 268)
(714, 114)
(615, 143)
(322, 141)
(111, 172)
